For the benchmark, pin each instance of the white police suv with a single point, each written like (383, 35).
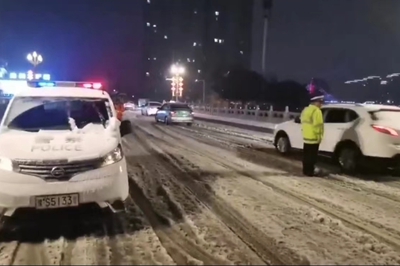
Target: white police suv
(60, 146)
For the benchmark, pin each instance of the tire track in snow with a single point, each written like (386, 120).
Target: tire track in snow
(8, 251)
(183, 205)
(268, 157)
(264, 246)
(377, 230)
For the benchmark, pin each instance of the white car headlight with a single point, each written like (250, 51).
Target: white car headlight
(6, 164)
(112, 157)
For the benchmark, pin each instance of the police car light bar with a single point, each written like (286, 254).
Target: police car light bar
(96, 85)
(41, 84)
(47, 84)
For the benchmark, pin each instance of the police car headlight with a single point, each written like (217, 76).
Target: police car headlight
(6, 164)
(112, 157)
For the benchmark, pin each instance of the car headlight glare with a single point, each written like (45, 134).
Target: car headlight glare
(6, 164)
(112, 157)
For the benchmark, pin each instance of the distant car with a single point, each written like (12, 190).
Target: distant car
(353, 133)
(170, 113)
(129, 106)
(150, 108)
(142, 103)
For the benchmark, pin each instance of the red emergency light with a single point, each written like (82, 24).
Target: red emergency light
(95, 85)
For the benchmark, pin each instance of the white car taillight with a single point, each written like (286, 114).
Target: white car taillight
(385, 130)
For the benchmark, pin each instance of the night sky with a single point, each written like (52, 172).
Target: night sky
(90, 39)
(93, 39)
(337, 40)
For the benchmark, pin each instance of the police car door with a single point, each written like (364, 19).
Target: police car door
(335, 124)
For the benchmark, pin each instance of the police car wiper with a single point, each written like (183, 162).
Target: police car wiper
(101, 116)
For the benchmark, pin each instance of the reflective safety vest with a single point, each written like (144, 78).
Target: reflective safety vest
(312, 124)
(120, 111)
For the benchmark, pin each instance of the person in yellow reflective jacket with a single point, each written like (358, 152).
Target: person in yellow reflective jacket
(312, 127)
(120, 109)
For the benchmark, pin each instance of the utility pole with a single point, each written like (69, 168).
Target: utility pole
(267, 6)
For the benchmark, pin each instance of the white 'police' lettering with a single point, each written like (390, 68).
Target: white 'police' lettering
(65, 147)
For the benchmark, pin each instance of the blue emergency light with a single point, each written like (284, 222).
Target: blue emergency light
(41, 84)
(46, 84)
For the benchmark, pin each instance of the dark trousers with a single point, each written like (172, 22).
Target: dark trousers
(310, 156)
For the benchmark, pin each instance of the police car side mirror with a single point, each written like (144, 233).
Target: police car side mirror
(125, 128)
(297, 120)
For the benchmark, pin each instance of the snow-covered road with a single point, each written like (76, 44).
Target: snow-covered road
(212, 195)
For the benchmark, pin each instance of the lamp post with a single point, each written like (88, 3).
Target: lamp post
(177, 81)
(35, 59)
(204, 89)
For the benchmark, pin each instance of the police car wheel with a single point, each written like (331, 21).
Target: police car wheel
(348, 159)
(283, 144)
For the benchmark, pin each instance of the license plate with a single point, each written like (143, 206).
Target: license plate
(183, 114)
(57, 201)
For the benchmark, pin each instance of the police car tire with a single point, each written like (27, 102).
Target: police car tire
(349, 159)
(286, 141)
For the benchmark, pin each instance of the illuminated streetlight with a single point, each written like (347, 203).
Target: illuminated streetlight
(35, 59)
(177, 81)
(177, 70)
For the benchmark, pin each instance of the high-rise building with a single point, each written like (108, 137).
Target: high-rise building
(204, 36)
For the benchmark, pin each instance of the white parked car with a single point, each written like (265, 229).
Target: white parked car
(61, 147)
(151, 108)
(353, 133)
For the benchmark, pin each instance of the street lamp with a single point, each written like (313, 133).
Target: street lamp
(35, 59)
(204, 89)
(177, 81)
(177, 70)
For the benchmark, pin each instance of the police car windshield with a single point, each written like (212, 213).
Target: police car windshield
(37, 113)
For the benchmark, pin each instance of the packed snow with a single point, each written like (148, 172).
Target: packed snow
(210, 194)
(242, 121)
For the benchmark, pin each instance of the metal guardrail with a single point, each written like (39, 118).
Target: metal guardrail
(269, 116)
